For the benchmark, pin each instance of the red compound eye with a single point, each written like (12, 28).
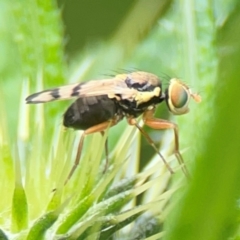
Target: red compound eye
(178, 97)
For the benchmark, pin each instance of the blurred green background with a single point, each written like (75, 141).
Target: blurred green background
(47, 43)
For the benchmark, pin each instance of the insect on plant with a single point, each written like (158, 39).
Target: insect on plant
(103, 103)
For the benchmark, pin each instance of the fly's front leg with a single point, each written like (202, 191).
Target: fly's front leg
(132, 121)
(161, 124)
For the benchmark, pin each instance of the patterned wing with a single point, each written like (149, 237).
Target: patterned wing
(110, 87)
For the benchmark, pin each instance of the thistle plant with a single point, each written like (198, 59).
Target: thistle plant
(196, 40)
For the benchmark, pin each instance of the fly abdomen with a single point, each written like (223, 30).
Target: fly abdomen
(89, 111)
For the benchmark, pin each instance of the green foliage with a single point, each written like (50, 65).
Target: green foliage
(196, 40)
(210, 208)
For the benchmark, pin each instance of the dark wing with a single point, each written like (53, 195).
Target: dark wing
(108, 87)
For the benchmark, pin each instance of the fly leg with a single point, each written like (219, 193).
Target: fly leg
(161, 124)
(132, 121)
(97, 128)
(106, 152)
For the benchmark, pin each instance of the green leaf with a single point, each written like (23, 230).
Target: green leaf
(209, 209)
(19, 201)
(45, 222)
(3, 235)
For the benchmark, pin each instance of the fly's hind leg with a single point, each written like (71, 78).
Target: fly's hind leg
(161, 124)
(94, 129)
(106, 152)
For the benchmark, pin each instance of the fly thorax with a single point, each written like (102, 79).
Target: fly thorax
(144, 97)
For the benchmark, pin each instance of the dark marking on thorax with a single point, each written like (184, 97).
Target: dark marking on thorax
(131, 108)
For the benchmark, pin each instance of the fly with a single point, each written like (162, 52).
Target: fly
(103, 103)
